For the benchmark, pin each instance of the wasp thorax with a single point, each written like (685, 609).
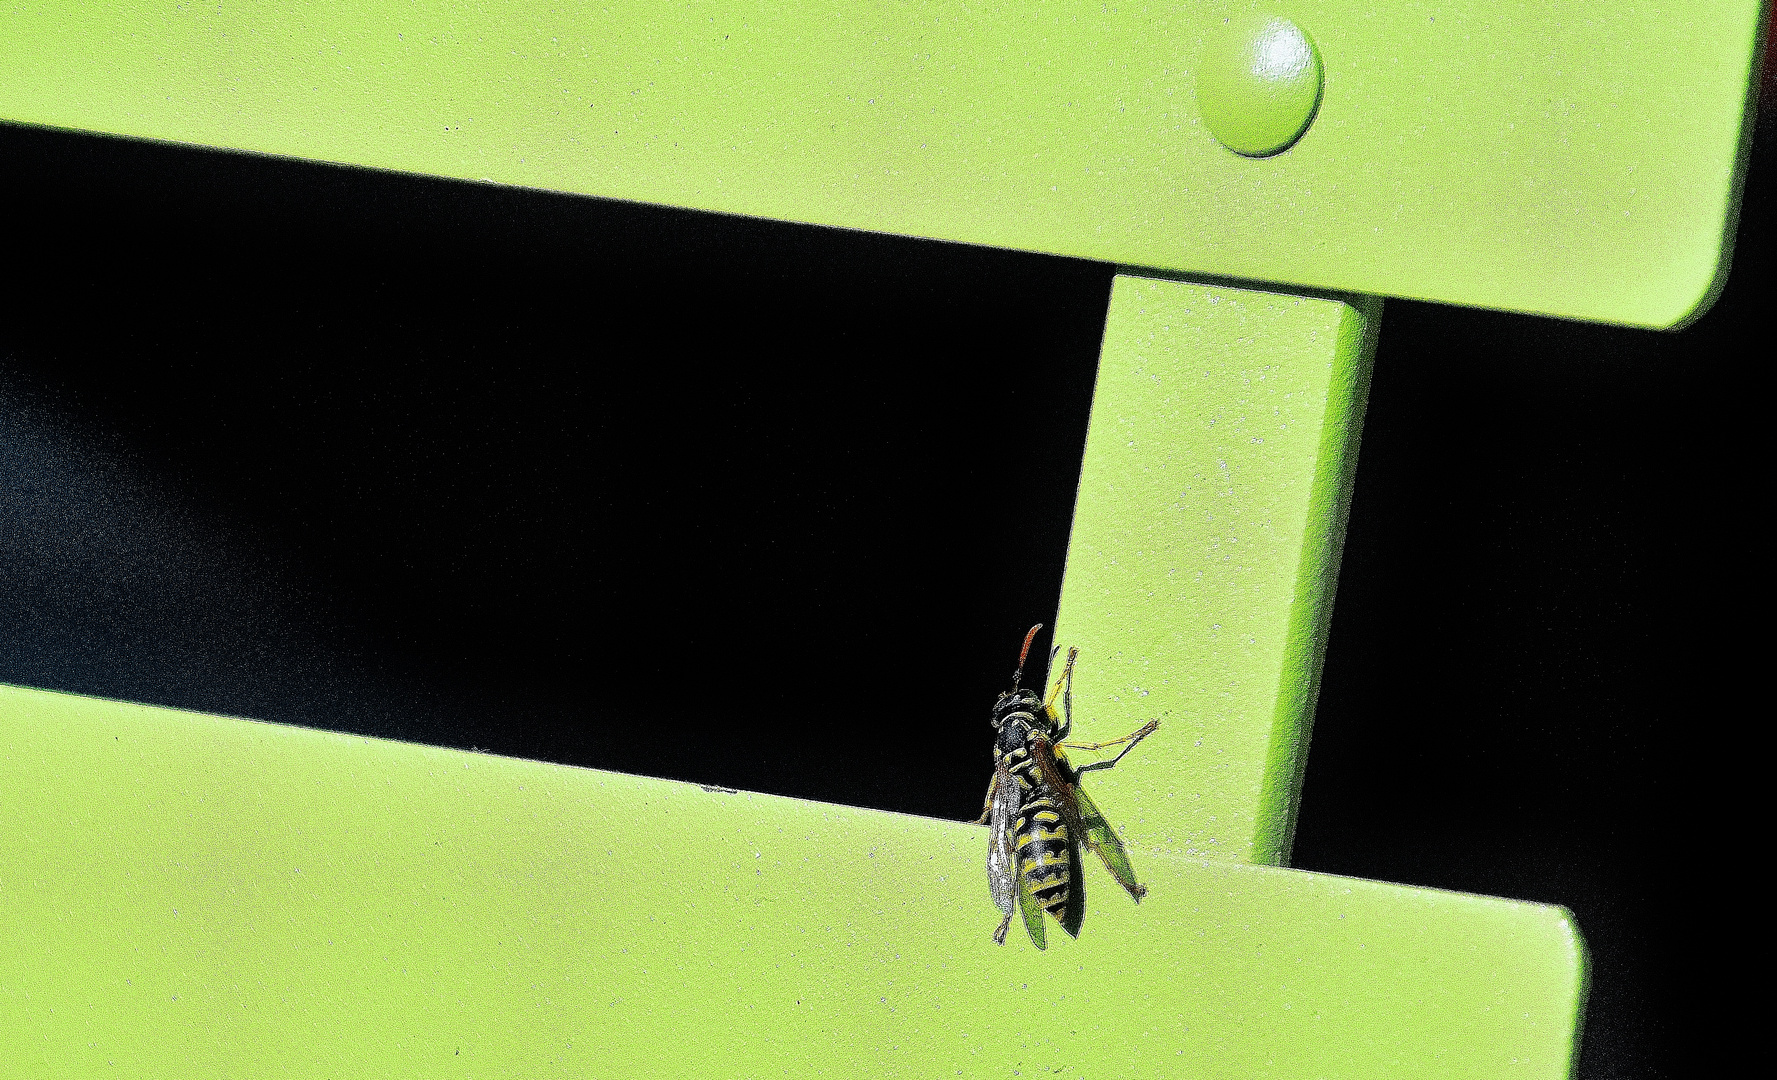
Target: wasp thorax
(1023, 704)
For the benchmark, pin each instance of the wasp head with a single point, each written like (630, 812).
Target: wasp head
(1024, 706)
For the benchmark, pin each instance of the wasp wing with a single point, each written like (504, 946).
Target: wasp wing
(1032, 910)
(1084, 818)
(1097, 834)
(1002, 859)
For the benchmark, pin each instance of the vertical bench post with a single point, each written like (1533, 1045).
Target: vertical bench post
(1205, 550)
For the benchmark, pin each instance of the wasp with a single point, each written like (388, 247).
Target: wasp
(1038, 813)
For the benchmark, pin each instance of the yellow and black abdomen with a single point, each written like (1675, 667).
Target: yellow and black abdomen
(1048, 855)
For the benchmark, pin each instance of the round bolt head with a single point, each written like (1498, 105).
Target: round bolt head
(1258, 83)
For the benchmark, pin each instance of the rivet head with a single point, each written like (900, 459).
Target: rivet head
(1258, 83)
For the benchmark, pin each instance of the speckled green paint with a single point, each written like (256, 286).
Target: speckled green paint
(192, 896)
(1205, 549)
(1576, 159)
(187, 896)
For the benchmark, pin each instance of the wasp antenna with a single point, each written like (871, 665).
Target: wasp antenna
(1023, 653)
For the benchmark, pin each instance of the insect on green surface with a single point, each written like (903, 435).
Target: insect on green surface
(1037, 813)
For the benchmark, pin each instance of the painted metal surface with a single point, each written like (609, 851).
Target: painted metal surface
(1575, 159)
(186, 895)
(1205, 551)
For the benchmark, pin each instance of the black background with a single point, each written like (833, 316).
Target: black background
(566, 479)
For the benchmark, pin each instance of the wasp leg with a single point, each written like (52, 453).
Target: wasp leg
(999, 935)
(1065, 687)
(987, 803)
(1138, 734)
(1067, 698)
(1132, 738)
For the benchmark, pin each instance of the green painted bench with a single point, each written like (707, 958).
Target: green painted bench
(191, 895)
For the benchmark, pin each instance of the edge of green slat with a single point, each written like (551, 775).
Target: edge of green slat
(189, 895)
(1317, 580)
(1730, 218)
(1575, 160)
(1205, 551)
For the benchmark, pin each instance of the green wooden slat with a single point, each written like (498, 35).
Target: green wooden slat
(190, 896)
(1205, 549)
(1576, 159)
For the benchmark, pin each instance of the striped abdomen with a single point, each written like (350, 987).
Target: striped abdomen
(1047, 856)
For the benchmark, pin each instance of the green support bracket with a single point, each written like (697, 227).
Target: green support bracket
(1205, 549)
